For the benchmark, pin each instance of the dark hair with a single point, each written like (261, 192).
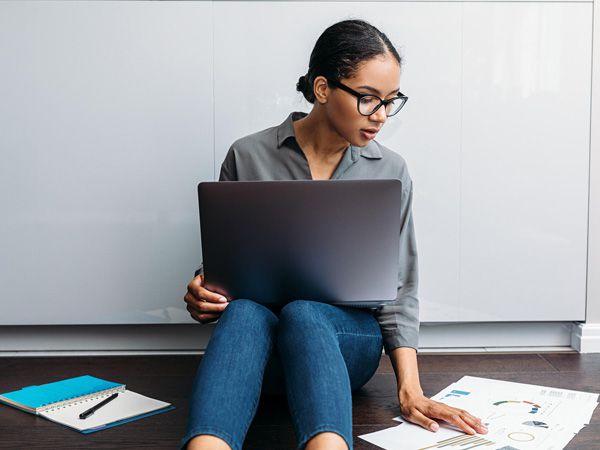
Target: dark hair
(339, 51)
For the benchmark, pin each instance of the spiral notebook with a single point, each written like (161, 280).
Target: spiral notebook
(63, 401)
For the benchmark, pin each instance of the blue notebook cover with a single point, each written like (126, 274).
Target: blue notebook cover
(34, 398)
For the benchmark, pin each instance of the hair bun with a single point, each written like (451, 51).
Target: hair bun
(301, 85)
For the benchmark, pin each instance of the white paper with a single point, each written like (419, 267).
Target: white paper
(128, 404)
(406, 435)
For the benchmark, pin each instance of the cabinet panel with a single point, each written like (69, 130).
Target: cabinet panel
(105, 130)
(525, 156)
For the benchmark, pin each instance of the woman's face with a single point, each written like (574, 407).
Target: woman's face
(379, 76)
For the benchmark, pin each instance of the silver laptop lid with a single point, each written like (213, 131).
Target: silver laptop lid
(335, 241)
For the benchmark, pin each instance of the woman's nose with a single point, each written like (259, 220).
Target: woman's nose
(379, 116)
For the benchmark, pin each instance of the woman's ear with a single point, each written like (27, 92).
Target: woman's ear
(321, 89)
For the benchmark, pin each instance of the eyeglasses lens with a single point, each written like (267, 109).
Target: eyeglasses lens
(368, 104)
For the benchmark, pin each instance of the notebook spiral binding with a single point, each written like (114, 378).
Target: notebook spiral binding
(76, 400)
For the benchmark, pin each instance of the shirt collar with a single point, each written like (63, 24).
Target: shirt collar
(286, 130)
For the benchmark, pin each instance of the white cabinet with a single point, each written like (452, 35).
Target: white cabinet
(112, 112)
(524, 160)
(105, 129)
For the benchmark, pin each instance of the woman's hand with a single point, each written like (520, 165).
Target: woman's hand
(203, 305)
(417, 408)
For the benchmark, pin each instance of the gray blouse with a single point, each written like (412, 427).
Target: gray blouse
(274, 154)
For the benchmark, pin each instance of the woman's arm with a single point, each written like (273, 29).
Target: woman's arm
(404, 362)
(417, 408)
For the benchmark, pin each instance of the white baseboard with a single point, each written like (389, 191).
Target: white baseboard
(492, 335)
(104, 338)
(71, 340)
(585, 337)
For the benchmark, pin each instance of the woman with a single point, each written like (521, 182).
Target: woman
(316, 353)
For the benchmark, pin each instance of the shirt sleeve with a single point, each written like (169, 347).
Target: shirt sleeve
(228, 167)
(399, 320)
(228, 173)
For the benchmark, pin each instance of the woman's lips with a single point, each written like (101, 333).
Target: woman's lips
(368, 134)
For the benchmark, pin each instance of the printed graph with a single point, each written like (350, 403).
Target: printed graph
(534, 407)
(462, 442)
(456, 393)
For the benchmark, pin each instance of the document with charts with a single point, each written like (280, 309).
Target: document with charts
(518, 417)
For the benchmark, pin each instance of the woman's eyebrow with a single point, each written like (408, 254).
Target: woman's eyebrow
(372, 89)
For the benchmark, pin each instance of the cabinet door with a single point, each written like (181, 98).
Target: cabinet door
(105, 130)
(524, 165)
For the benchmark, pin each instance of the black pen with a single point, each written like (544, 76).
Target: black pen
(92, 410)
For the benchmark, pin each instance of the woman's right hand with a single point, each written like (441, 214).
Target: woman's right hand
(203, 305)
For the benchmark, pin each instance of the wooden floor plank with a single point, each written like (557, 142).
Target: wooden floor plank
(573, 362)
(170, 378)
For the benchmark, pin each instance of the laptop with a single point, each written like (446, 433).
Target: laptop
(333, 241)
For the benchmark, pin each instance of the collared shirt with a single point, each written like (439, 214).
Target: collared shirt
(274, 154)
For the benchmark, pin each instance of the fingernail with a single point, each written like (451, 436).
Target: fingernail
(434, 426)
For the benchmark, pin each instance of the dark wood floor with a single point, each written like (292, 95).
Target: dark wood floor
(169, 378)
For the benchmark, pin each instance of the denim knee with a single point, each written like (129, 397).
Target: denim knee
(302, 311)
(247, 311)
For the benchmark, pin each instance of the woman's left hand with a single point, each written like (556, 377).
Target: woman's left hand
(418, 409)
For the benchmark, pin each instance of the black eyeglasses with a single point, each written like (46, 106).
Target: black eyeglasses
(367, 104)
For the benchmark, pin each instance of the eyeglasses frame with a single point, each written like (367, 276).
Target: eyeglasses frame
(359, 96)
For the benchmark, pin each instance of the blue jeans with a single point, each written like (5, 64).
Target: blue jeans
(315, 353)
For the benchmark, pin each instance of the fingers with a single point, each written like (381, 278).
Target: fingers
(202, 304)
(200, 317)
(419, 418)
(458, 421)
(457, 417)
(474, 422)
(197, 281)
(463, 420)
(196, 289)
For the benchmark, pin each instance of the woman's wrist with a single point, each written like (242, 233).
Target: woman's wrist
(404, 362)
(407, 392)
